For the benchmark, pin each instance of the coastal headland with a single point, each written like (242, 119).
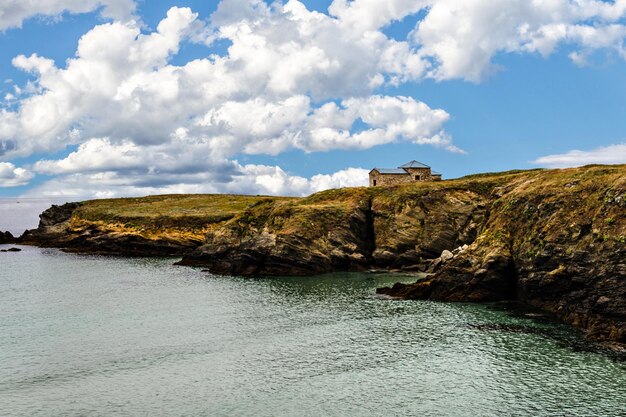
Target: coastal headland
(553, 239)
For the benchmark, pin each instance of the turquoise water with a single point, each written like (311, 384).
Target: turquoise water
(99, 336)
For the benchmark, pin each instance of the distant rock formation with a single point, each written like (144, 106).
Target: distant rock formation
(6, 237)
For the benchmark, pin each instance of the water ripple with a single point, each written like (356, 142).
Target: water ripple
(84, 335)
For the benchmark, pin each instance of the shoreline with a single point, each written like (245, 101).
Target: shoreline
(553, 239)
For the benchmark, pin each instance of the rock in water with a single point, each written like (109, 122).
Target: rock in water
(6, 237)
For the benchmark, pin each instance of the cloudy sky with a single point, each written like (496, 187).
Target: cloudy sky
(106, 98)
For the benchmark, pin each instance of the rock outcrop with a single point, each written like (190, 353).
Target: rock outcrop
(326, 232)
(553, 239)
(6, 237)
(556, 241)
(343, 230)
(11, 250)
(150, 226)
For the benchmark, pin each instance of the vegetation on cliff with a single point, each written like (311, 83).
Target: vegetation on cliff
(155, 225)
(553, 239)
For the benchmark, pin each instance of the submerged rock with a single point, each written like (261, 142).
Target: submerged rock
(11, 250)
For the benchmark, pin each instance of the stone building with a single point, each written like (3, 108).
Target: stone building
(410, 172)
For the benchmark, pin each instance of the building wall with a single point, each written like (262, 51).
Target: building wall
(423, 173)
(395, 179)
(388, 179)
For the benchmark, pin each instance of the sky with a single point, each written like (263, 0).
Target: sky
(109, 98)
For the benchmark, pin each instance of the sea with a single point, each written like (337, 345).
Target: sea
(84, 335)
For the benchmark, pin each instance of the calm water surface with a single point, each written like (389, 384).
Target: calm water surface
(98, 336)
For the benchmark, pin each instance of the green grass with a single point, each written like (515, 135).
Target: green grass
(182, 210)
(525, 195)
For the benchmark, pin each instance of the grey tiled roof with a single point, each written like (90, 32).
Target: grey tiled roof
(391, 171)
(435, 173)
(414, 164)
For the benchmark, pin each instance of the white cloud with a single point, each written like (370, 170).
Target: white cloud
(351, 177)
(261, 179)
(462, 37)
(111, 184)
(131, 112)
(11, 176)
(389, 119)
(95, 155)
(367, 15)
(111, 88)
(260, 127)
(229, 178)
(100, 168)
(183, 155)
(612, 154)
(14, 12)
(291, 79)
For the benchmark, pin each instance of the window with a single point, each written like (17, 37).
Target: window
(417, 178)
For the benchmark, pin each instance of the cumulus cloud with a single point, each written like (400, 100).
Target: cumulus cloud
(232, 178)
(292, 78)
(275, 181)
(11, 176)
(99, 168)
(14, 12)
(613, 154)
(110, 87)
(462, 37)
(95, 155)
(260, 98)
(366, 15)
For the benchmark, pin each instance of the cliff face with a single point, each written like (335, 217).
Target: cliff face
(149, 226)
(554, 239)
(325, 232)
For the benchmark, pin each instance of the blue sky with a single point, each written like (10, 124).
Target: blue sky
(497, 97)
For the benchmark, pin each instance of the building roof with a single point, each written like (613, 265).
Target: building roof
(391, 171)
(414, 164)
(435, 173)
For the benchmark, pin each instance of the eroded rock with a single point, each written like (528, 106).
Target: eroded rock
(6, 237)
(561, 251)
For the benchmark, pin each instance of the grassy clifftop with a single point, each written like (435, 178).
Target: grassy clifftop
(185, 218)
(421, 217)
(193, 210)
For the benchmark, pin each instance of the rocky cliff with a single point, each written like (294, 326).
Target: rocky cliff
(148, 226)
(554, 239)
(6, 237)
